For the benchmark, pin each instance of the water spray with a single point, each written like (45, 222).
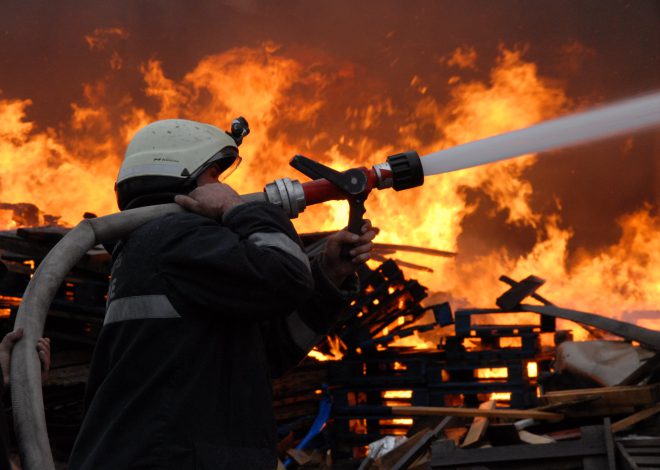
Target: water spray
(400, 172)
(407, 170)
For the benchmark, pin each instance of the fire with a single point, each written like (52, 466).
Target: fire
(492, 373)
(500, 396)
(532, 369)
(397, 394)
(337, 348)
(294, 107)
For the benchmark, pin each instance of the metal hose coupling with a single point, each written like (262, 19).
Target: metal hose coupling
(288, 194)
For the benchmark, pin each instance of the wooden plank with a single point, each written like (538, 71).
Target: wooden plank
(518, 292)
(535, 296)
(635, 418)
(474, 412)
(649, 338)
(608, 396)
(641, 442)
(647, 461)
(478, 426)
(643, 450)
(643, 371)
(625, 458)
(609, 444)
(562, 405)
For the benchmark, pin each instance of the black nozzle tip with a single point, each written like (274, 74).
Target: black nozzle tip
(407, 171)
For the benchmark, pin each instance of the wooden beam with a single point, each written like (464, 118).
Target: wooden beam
(474, 412)
(649, 338)
(518, 292)
(635, 418)
(608, 396)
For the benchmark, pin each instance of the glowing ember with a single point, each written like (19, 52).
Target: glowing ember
(396, 422)
(414, 341)
(500, 396)
(492, 373)
(397, 394)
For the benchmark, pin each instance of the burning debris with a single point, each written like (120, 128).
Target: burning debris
(494, 387)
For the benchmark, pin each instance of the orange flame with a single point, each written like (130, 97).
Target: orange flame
(69, 170)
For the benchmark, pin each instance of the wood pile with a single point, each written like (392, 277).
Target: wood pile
(607, 427)
(449, 416)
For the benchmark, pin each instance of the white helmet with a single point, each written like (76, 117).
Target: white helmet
(166, 157)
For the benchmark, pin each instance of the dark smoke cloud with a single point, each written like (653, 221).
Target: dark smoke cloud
(596, 50)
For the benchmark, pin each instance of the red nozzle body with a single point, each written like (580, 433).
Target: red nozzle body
(322, 190)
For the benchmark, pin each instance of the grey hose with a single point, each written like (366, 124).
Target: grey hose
(26, 394)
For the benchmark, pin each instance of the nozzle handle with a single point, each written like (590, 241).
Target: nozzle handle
(355, 222)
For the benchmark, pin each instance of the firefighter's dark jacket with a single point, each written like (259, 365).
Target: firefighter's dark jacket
(200, 315)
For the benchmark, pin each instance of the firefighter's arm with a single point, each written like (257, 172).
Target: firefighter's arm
(252, 264)
(290, 339)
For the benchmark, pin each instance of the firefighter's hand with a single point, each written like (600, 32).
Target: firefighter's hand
(334, 265)
(210, 200)
(6, 346)
(43, 349)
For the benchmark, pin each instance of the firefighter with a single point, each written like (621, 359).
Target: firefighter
(204, 307)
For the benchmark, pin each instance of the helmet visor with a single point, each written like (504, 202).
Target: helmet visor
(230, 169)
(226, 160)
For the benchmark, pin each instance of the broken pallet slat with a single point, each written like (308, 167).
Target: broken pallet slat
(643, 450)
(624, 396)
(518, 292)
(478, 426)
(647, 461)
(474, 412)
(608, 437)
(641, 442)
(635, 418)
(626, 458)
(631, 332)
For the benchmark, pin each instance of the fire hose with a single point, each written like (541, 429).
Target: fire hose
(401, 171)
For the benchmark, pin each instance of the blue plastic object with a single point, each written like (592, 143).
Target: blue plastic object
(325, 407)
